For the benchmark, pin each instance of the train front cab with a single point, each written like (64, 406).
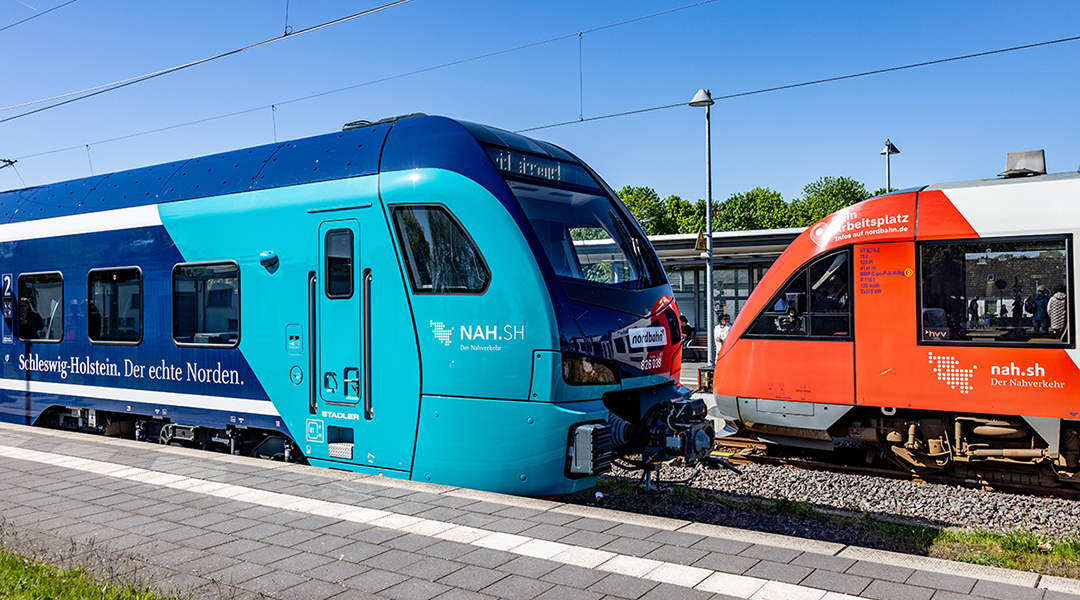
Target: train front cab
(906, 321)
(526, 279)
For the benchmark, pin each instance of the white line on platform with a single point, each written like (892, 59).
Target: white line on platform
(706, 580)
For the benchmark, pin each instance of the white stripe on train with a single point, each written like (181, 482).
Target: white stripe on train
(107, 220)
(169, 399)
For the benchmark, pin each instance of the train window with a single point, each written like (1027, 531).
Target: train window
(206, 304)
(114, 305)
(582, 235)
(41, 307)
(814, 304)
(996, 291)
(339, 263)
(440, 256)
(590, 239)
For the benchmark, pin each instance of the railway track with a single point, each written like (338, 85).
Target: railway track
(744, 451)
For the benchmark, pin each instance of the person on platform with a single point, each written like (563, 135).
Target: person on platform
(720, 332)
(687, 330)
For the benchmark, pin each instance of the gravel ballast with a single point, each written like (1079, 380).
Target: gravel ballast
(760, 499)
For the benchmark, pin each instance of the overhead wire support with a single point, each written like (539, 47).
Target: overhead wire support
(90, 92)
(9, 162)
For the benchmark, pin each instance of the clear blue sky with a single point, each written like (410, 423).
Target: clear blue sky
(951, 122)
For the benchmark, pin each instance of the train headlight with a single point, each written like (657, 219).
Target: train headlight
(578, 369)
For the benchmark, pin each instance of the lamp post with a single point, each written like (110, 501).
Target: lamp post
(888, 151)
(704, 98)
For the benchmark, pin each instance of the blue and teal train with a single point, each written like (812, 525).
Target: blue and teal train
(418, 297)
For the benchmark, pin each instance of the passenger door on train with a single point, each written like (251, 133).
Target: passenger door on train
(340, 353)
(885, 324)
(367, 401)
(799, 349)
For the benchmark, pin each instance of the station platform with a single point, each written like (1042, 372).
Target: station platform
(199, 524)
(689, 374)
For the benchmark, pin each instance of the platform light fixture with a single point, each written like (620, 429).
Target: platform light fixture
(704, 98)
(889, 150)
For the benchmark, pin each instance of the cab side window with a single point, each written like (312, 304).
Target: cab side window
(440, 257)
(815, 303)
(996, 291)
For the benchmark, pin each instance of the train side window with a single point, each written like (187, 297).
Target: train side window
(206, 304)
(41, 307)
(339, 263)
(440, 256)
(114, 305)
(996, 291)
(813, 304)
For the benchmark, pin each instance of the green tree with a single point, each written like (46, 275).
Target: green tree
(824, 197)
(760, 208)
(687, 217)
(645, 204)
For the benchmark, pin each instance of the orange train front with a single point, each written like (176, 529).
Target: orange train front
(937, 326)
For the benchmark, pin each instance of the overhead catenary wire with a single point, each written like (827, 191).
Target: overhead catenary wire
(40, 14)
(101, 89)
(581, 118)
(376, 81)
(809, 83)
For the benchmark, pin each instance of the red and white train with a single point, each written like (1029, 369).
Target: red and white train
(935, 325)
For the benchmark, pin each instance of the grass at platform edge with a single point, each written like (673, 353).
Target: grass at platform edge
(1011, 550)
(21, 578)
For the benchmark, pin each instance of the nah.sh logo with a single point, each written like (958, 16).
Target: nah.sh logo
(442, 332)
(948, 370)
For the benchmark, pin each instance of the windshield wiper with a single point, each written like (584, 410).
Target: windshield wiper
(632, 247)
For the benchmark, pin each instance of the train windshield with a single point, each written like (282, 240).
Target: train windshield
(583, 233)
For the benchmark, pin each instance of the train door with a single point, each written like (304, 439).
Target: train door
(885, 324)
(356, 430)
(340, 306)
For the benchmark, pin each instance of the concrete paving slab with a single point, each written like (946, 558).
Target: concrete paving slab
(262, 529)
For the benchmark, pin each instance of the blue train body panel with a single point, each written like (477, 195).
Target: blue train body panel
(390, 299)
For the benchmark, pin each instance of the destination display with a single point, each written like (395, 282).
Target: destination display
(519, 163)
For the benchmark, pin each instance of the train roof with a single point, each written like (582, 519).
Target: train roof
(361, 149)
(1003, 181)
